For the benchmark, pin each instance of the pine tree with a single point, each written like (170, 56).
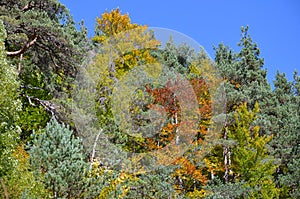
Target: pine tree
(243, 72)
(245, 81)
(285, 127)
(58, 155)
(46, 49)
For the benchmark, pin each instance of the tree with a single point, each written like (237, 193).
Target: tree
(243, 72)
(58, 155)
(43, 29)
(120, 46)
(125, 47)
(46, 49)
(22, 181)
(10, 107)
(123, 54)
(250, 159)
(245, 81)
(285, 127)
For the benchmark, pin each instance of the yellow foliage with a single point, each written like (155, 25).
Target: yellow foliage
(113, 185)
(124, 45)
(22, 178)
(112, 23)
(196, 194)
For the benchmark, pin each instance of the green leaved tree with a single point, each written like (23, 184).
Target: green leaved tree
(10, 107)
(251, 161)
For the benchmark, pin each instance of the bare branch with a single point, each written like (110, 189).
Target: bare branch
(31, 87)
(20, 64)
(48, 106)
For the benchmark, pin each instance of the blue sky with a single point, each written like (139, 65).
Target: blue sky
(274, 24)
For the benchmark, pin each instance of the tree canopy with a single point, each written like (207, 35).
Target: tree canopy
(124, 115)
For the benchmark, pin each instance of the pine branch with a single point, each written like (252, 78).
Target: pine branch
(29, 6)
(25, 47)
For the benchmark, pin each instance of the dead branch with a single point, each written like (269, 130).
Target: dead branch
(48, 106)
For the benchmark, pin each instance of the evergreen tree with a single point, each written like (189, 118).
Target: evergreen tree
(58, 155)
(243, 72)
(46, 49)
(245, 78)
(245, 82)
(285, 127)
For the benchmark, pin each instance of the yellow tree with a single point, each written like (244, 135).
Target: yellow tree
(250, 159)
(127, 44)
(122, 46)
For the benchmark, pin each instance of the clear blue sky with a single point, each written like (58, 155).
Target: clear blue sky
(274, 24)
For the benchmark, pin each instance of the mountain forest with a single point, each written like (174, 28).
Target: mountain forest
(124, 115)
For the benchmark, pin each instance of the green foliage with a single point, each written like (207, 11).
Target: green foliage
(245, 79)
(46, 49)
(250, 160)
(41, 53)
(285, 125)
(55, 49)
(21, 181)
(58, 155)
(156, 184)
(219, 190)
(10, 107)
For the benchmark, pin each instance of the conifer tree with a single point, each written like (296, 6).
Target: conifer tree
(285, 117)
(46, 49)
(243, 71)
(245, 82)
(58, 155)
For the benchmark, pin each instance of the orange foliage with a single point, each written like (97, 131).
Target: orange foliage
(190, 170)
(164, 97)
(205, 106)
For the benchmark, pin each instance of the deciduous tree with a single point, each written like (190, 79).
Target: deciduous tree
(10, 108)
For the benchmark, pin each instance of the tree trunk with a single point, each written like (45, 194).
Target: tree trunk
(94, 148)
(226, 154)
(4, 189)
